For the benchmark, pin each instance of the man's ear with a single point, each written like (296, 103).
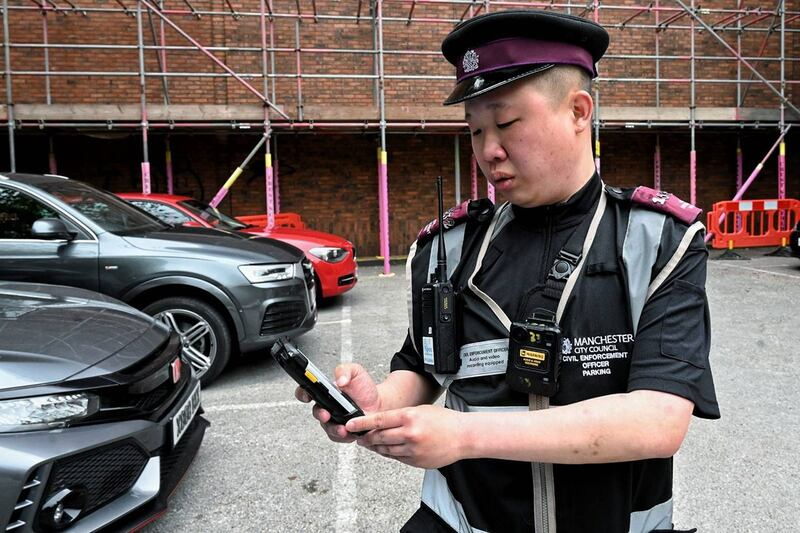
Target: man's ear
(582, 106)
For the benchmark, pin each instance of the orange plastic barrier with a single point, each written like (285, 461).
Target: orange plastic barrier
(285, 220)
(752, 223)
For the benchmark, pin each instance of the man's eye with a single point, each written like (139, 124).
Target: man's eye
(504, 125)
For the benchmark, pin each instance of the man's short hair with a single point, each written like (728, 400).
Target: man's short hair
(557, 81)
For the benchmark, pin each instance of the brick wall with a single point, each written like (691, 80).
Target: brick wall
(319, 39)
(331, 180)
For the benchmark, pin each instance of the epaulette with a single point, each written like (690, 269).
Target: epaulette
(660, 201)
(479, 210)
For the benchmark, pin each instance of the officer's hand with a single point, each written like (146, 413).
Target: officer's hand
(425, 436)
(356, 382)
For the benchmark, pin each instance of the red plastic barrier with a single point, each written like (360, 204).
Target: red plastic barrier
(752, 223)
(285, 220)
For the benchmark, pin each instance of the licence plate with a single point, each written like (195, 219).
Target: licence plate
(184, 416)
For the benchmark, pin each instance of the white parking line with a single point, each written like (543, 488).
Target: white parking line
(739, 267)
(244, 406)
(346, 489)
(330, 322)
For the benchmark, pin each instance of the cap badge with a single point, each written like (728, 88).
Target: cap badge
(470, 61)
(478, 83)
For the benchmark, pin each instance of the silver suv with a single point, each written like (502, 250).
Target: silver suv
(221, 291)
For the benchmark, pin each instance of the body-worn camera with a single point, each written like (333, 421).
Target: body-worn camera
(534, 354)
(439, 316)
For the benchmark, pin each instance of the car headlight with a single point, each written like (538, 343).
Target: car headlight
(45, 412)
(264, 273)
(329, 253)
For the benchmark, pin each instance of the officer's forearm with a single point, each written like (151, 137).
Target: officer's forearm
(404, 388)
(619, 427)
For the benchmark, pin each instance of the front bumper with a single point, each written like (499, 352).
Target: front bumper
(336, 278)
(96, 459)
(274, 310)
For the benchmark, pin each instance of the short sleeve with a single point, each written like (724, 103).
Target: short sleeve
(671, 350)
(409, 359)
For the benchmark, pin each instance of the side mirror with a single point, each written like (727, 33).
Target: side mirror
(52, 229)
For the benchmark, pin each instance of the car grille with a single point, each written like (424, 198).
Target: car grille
(282, 316)
(104, 474)
(23, 509)
(156, 397)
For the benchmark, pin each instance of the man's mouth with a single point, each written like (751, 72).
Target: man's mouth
(499, 180)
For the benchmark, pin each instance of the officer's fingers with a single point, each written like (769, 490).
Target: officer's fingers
(302, 395)
(346, 372)
(321, 414)
(386, 437)
(380, 420)
(395, 452)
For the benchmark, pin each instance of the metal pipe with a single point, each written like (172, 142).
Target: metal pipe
(268, 172)
(51, 156)
(168, 164)
(473, 177)
(457, 169)
(45, 39)
(692, 122)
(383, 171)
(9, 92)
(299, 68)
(235, 174)
(782, 150)
(658, 53)
(212, 57)
(276, 174)
(272, 46)
(163, 53)
(657, 165)
(761, 49)
(731, 50)
(143, 102)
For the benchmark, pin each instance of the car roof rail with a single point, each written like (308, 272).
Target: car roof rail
(57, 176)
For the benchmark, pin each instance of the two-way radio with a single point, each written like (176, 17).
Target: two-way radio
(439, 316)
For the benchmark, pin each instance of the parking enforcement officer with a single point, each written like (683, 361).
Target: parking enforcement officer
(616, 279)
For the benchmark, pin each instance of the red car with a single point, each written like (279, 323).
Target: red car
(333, 257)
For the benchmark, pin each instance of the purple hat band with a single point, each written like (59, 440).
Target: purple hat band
(517, 52)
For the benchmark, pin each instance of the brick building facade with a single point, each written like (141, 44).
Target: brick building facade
(326, 155)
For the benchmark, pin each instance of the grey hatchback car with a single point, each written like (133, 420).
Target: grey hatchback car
(220, 290)
(99, 413)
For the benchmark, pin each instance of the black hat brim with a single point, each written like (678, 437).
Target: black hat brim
(490, 81)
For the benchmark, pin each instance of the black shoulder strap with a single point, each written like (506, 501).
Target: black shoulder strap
(568, 258)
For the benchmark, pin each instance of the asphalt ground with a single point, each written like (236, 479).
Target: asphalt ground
(266, 466)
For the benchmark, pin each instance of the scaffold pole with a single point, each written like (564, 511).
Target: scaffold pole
(383, 174)
(223, 191)
(268, 170)
(146, 186)
(213, 58)
(9, 92)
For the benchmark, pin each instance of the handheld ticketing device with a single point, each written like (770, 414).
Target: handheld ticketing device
(439, 317)
(534, 354)
(341, 407)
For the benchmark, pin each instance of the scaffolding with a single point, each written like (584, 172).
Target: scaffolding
(742, 34)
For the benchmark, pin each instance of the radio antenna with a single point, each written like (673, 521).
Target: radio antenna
(441, 257)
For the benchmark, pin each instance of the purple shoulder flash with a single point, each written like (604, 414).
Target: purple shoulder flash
(480, 210)
(666, 203)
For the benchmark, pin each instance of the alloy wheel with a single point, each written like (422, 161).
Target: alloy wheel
(198, 342)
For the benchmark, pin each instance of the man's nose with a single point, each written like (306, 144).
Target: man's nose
(493, 149)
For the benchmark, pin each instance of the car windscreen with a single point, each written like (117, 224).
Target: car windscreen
(212, 215)
(102, 208)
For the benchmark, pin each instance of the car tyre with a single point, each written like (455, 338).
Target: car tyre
(205, 336)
